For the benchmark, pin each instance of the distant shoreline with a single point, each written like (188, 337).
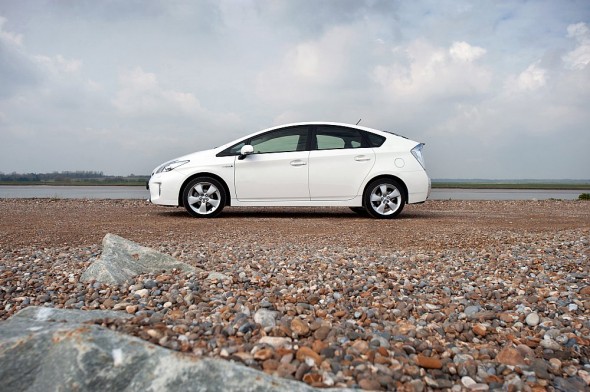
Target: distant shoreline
(540, 186)
(435, 184)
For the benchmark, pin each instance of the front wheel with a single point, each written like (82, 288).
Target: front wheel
(204, 197)
(384, 198)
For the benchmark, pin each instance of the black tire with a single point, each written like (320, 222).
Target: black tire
(359, 210)
(204, 197)
(384, 198)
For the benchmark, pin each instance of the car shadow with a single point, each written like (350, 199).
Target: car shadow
(294, 212)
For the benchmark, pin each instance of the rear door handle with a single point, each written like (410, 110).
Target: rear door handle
(362, 158)
(298, 162)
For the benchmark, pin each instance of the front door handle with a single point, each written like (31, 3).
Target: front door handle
(362, 158)
(298, 162)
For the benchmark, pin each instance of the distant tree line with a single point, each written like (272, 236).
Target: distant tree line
(69, 177)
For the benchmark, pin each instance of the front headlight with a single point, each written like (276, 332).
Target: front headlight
(417, 153)
(169, 166)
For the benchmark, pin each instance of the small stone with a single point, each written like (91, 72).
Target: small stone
(569, 384)
(417, 385)
(470, 311)
(361, 346)
(217, 276)
(540, 367)
(479, 387)
(266, 318)
(286, 369)
(510, 356)
(108, 303)
(555, 364)
(154, 333)
(550, 344)
(300, 327)
(143, 293)
(532, 319)
(369, 384)
(322, 332)
(306, 352)
(274, 341)
(480, 329)
(428, 362)
(270, 365)
(467, 381)
(131, 309)
(584, 375)
(263, 354)
(312, 378)
(585, 290)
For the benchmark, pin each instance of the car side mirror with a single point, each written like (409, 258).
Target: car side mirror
(245, 151)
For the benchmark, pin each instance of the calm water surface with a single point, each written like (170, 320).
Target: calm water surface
(138, 192)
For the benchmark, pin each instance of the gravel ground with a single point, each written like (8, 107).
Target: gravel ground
(466, 295)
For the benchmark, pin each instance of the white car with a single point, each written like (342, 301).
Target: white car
(303, 164)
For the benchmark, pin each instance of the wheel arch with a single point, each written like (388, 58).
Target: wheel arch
(391, 177)
(204, 174)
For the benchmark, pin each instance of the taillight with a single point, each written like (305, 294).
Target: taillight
(417, 153)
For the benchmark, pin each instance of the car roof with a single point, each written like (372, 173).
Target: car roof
(361, 128)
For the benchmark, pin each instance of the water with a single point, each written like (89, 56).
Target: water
(504, 194)
(138, 192)
(73, 192)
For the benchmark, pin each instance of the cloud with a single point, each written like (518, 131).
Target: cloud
(428, 72)
(140, 95)
(58, 64)
(9, 38)
(531, 79)
(580, 56)
(308, 69)
(462, 51)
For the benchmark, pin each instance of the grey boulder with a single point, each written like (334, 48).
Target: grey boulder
(122, 259)
(44, 349)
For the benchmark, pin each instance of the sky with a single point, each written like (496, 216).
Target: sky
(496, 89)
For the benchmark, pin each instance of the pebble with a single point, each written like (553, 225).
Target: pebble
(485, 309)
(532, 319)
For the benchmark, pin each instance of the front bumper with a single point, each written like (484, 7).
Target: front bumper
(165, 188)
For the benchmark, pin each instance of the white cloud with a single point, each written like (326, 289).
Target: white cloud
(141, 95)
(58, 64)
(8, 37)
(531, 79)
(580, 56)
(462, 51)
(307, 70)
(431, 72)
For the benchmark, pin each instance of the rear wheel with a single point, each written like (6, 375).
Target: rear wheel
(384, 198)
(204, 197)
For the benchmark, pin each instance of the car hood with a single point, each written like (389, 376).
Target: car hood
(196, 156)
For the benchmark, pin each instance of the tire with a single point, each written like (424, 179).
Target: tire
(359, 210)
(384, 198)
(204, 197)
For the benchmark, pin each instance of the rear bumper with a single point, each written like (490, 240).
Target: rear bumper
(419, 185)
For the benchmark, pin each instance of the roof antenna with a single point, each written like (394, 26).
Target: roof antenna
(357, 123)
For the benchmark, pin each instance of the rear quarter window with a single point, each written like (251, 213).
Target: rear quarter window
(374, 139)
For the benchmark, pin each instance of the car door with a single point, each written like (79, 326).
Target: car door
(338, 163)
(278, 168)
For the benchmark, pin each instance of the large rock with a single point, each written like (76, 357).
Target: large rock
(122, 259)
(45, 349)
